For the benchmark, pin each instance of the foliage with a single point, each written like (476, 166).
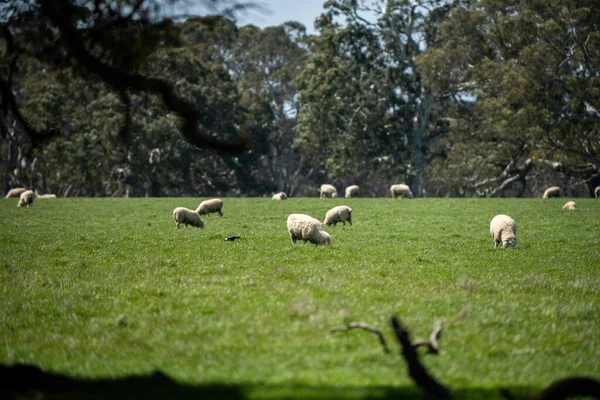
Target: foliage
(526, 82)
(98, 288)
(366, 116)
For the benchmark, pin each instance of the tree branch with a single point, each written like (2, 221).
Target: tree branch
(416, 370)
(59, 13)
(365, 327)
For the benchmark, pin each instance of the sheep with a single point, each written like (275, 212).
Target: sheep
(306, 228)
(352, 191)
(47, 196)
(328, 191)
(597, 192)
(26, 198)
(15, 192)
(338, 214)
(280, 196)
(185, 216)
(569, 205)
(401, 191)
(553, 191)
(210, 206)
(503, 229)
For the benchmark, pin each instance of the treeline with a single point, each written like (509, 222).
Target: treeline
(455, 98)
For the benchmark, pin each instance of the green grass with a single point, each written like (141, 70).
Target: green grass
(107, 288)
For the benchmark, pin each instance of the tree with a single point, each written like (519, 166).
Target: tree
(106, 42)
(525, 80)
(366, 114)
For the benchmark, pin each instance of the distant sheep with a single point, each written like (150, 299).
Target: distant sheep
(47, 196)
(280, 196)
(306, 228)
(185, 216)
(553, 191)
(338, 214)
(597, 192)
(211, 206)
(26, 198)
(401, 190)
(328, 191)
(503, 230)
(15, 192)
(569, 205)
(352, 191)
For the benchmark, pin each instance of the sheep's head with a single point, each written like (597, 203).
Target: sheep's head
(509, 243)
(324, 239)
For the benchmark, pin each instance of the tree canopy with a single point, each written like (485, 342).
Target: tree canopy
(454, 98)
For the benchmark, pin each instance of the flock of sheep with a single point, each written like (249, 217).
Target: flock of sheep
(503, 228)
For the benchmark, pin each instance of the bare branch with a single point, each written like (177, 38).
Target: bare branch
(416, 370)
(365, 327)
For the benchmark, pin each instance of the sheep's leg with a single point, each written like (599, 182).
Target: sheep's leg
(220, 213)
(293, 238)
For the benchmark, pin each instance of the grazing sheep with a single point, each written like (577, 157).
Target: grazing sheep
(569, 205)
(280, 196)
(503, 230)
(338, 214)
(553, 191)
(185, 216)
(352, 191)
(15, 192)
(210, 206)
(306, 228)
(47, 196)
(597, 192)
(328, 191)
(26, 198)
(401, 191)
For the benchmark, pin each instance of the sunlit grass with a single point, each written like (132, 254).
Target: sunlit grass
(99, 288)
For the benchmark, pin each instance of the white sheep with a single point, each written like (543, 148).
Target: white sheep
(47, 196)
(352, 191)
(26, 198)
(328, 191)
(338, 214)
(210, 206)
(553, 191)
(306, 228)
(15, 192)
(280, 196)
(185, 216)
(503, 230)
(569, 205)
(597, 192)
(401, 191)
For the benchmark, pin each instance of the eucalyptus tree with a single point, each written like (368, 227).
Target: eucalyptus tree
(526, 80)
(367, 116)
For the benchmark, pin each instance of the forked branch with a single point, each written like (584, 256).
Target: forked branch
(365, 327)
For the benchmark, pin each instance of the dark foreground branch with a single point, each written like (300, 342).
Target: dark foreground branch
(60, 13)
(368, 328)
(416, 370)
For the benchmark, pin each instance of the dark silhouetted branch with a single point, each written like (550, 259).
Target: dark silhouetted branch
(365, 327)
(60, 12)
(416, 370)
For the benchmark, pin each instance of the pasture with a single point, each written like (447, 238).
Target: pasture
(108, 288)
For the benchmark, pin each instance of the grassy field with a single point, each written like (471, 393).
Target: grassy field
(107, 288)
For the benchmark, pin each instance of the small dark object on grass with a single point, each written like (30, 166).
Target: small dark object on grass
(231, 238)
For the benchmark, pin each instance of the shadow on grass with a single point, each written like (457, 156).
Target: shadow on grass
(28, 381)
